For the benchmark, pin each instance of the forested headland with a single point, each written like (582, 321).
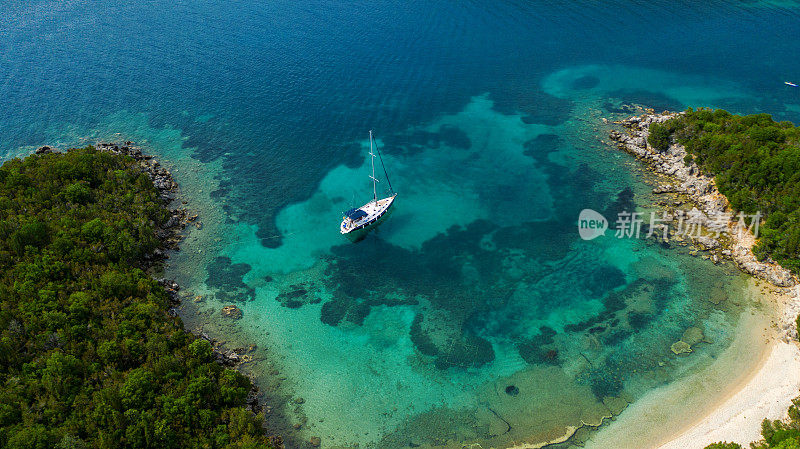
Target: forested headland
(90, 356)
(756, 165)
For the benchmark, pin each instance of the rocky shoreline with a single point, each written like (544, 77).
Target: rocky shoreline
(170, 235)
(707, 202)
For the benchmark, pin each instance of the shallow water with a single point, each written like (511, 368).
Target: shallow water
(475, 314)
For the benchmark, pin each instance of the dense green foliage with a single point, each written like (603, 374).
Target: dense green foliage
(90, 358)
(723, 446)
(659, 137)
(779, 434)
(756, 162)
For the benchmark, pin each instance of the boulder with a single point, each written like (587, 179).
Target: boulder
(665, 188)
(681, 347)
(707, 242)
(228, 358)
(693, 336)
(232, 311)
(781, 278)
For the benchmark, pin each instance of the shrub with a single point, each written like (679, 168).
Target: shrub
(78, 193)
(659, 137)
(723, 446)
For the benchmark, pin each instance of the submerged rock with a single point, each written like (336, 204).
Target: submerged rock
(232, 311)
(693, 336)
(297, 296)
(497, 427)
(436, 335)
(681, 347)
(615, 404)
(227, 277)
(717, 296)
(541, 348)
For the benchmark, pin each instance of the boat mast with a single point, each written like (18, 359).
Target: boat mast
(374, 180)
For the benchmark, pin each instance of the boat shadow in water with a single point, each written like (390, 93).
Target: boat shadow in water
(360, 234)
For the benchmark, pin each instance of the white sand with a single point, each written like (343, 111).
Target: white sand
(713, 405)
(767, 395)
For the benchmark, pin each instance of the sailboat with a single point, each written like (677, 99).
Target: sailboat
(370, 214)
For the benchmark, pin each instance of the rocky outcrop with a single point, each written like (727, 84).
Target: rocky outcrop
(702, 190)
(693, 336)
(161, 177)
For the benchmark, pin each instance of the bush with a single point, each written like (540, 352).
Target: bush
(30, 234)
(723, 446)
(659, 137)
(78, 193)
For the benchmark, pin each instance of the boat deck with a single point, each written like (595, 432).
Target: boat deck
(374, 210)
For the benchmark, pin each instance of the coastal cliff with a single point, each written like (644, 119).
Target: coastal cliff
(666, 154)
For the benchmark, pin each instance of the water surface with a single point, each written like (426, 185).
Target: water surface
(475, 314)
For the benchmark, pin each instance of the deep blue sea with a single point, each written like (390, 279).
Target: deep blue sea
(474, 316)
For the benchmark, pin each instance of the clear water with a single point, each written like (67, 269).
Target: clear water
(474, 314)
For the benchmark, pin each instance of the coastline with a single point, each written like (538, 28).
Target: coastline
(767, 395)
(710, 405)
(728, 404)
(707, 407)
(173, 235)
(701, 190)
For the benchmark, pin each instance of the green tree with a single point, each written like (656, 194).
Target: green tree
(89, 356)
(723, 446)
(659, 137)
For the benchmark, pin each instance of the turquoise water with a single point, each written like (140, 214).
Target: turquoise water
(474, 314)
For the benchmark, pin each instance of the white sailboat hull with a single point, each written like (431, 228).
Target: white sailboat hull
(373, 212)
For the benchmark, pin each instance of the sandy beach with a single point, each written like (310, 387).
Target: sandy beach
(766, 395)
(712, 405)
(754, 379)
